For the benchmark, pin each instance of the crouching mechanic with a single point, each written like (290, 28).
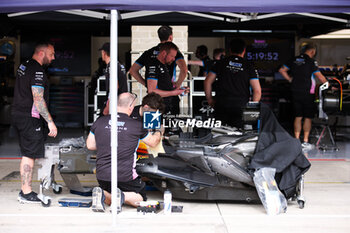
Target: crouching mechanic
(150, 103)
(130, 131)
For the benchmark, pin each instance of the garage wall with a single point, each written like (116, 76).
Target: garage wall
(329, 52)
(146, 37)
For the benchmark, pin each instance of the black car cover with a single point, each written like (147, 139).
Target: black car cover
(276, 148)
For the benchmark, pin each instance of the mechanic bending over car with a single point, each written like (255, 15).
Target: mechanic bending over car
(130, 131)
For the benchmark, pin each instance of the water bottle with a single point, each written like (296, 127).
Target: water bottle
(167, 202)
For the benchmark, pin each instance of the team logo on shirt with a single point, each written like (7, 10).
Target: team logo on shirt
(151, 120)
(22, 67)
(299, 61)
(152, 69)
(235, 66)
(21, 70)
(122, 67)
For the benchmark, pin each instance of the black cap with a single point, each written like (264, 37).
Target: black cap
(105, 47)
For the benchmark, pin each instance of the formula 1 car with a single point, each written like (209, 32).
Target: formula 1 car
(220, 165)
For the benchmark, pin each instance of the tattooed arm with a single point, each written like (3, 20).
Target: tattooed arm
(41, 107)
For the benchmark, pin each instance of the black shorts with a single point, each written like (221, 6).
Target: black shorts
(136, 185)
(304, 105)
(31, 135)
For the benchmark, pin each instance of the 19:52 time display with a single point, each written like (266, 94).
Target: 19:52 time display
(262, 56)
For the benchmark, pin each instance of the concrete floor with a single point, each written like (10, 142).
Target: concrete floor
(327, 208)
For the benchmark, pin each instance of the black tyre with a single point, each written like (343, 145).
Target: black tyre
(301, 204)
(47, 204)
(57, 191)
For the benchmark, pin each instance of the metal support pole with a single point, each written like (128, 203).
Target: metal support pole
(113, 110)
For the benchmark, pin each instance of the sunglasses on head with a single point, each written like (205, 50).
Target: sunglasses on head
(135, 97)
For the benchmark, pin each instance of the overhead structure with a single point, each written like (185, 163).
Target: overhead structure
(302, 24)
(228, 16)
(266, 6)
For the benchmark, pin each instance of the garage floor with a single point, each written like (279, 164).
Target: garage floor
(327, 208)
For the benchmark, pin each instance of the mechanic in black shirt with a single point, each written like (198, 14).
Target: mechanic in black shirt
(122, 82)
(158, 79)
(235, 76)
(29, 110)
(205, 61)
(165, 34)
(303, 70)
(130, 131)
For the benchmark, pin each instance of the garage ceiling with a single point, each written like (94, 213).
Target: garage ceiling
(200, 24)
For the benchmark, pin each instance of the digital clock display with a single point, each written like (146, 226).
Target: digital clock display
(262, 56)
(268, 52)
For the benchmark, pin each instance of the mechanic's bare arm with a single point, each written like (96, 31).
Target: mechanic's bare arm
(41, 107)
(195, 62)
(153, 139)
(208, 87)
(152, 87)
(284, 72)
(183, 72)
(91, 142)
(255, 84)
(320, 77)
(134, 71)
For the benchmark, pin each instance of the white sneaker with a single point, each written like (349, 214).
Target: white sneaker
(98, 199)
(307, 146)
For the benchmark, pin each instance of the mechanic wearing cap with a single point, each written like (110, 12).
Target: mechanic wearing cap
(130, 131)
(303, 70)
(235, 76)
(165, 34)
(122, 83)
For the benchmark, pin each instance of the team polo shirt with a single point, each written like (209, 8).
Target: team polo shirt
(159, 72)
(130, 131)
(122, 82)
(146, 59)
(207, 62)
(136, 113)
(233, 77)
(302, 70)
(29, 74)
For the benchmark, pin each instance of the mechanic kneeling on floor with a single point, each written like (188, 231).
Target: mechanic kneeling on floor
(130, 131)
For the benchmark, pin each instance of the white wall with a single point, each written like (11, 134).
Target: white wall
(329, 51)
